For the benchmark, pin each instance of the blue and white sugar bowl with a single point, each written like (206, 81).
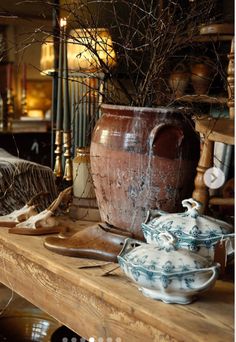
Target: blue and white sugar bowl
(167, 274)
(193, 231)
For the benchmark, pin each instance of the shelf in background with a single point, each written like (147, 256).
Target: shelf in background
(209, 38)
(28, 126)
(213, 38)
(203, 99)
(31, 125)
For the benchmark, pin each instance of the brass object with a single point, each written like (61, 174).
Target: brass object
(68, 171)
(58, 152)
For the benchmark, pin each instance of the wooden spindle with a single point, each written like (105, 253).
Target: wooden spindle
(201, 191)
(230, 80)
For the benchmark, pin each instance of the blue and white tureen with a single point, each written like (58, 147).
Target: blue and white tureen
(191, 230)
(167, 274)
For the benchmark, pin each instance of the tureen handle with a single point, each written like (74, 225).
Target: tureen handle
(191, 204)
(213, 269)
(129, 245)
(215, 273)
(167, 238)
(153, 213)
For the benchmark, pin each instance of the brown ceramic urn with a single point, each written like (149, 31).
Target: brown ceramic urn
(142, 158)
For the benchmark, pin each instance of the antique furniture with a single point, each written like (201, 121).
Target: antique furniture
(215, 130)
(95, 301)
(21, 180)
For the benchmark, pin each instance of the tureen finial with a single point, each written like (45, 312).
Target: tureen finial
(191, 203)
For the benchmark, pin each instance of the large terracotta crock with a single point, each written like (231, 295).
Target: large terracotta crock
(142, 158)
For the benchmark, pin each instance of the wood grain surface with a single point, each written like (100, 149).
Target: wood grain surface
(78, 294)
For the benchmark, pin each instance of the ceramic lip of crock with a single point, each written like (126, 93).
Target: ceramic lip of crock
(160, 109)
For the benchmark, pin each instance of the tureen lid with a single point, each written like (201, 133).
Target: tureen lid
(162, 260)
(191, 222)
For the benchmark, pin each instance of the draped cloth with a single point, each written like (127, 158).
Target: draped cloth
(20, 180)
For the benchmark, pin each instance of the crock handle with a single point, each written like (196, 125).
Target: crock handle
(153, 133)
(166, 134)
(191, 204)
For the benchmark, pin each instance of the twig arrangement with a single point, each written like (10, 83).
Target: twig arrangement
(146, 35)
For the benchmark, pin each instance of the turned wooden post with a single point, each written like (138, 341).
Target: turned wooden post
(230, 80)
(201, 192)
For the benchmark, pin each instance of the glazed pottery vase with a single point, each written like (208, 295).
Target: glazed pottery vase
(201, 77)
(178, 80)
(142, 158)
(82, 180)
(23, 322)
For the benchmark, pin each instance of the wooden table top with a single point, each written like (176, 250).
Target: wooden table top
(95, 305)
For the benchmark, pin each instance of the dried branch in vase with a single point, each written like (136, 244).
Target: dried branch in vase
(146, 35)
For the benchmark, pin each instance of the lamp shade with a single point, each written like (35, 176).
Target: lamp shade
(90, 50)
(47, 56)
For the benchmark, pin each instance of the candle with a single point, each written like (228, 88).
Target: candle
(72, 111)
(76, 122)
(9, 76)
(80, 113)
(59, 88)
(67, 116)
(24, 77)
(84, 101)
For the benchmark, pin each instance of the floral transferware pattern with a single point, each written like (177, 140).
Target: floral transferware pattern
(174, 276)
(193, 231)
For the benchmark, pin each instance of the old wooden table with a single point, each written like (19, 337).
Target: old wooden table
(94, 305)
